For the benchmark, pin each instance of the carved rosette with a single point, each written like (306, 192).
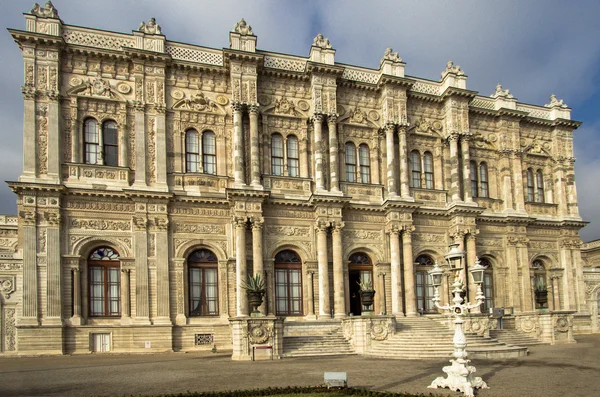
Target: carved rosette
(380, 329)
(258, 333)
(527, 324)
(562, 323)
(7, 286)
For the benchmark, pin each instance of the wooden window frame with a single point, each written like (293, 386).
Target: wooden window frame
(350, 161)
(192, 165)
(106, 146)
(87, 143)
(293, 159)
(203, 266)
(209, 152)
(104, 265)
(277, 159)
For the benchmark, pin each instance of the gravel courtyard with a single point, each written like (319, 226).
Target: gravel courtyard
(566, 370)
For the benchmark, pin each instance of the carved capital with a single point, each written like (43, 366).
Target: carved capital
(161, 224)
(240, 222)
(258, 222)
(337, 226)
(237, 106)
(393, 229)
(322, 226)
(7, 285)
(332, 118)
(28, 218)
(316, 118)
(52, 218)
(140, 222)
(252, 108)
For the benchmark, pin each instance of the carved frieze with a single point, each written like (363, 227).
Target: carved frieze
(99, 224)
(295, 231)
(198, 228)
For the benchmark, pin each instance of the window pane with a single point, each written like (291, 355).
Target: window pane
(111, 155)
(540, 186)
(192, 162)
(276, 146)
(415, 165)
(210, 164)
(292, 167)
(209, 145)
(110, 133)
(191, 142)
(292, 155)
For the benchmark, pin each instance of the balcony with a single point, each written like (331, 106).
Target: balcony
(362, 191)
(196, 183)
(74, 173)
(541, 209)
(287, 186)
(489, 203)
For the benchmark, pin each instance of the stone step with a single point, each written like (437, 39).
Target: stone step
(514, 337)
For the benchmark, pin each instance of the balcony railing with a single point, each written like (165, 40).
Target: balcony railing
(96, 173)
(197, 182)
(430, 197)
(541, 209)
(488, 203)
(362, 191)
(287, 185)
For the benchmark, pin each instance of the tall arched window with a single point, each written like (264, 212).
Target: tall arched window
(474, 184)
(276, 154)
(292, 155)
(350, 162)
(428, 169)
(423, 286)
(539, 180)
(365, 166)
(360, 270)
(288, 284)
(488, 285)
(91, 141)
(110, 143)
(530, 185)
(415, 167)
(483, 180)
(203, 283)
(104, 283)
(539, 283)
(191, 151)
(209, 152)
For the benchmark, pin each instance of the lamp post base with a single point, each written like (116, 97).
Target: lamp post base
(459, 378)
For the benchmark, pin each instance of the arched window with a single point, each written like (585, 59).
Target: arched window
(539, 179)
(110, 143)
(483, 180)
(288, 284)
(209, 152)
(423, 285)
(474, 184)
(292, 155)
(530, 185)
(365, 166)
(488, 285)
(415, 166)
(104, 283)
(276, 154)
(91, 141)
(428, 168)
(540, 285)
(203, 283)
(191, 151)
(350, 162)
(360, 270)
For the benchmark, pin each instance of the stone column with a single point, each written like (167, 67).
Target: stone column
(318, 151)
(527, 289)
(391, 169)
(125, 300)
(396, 281)
(140, 146)
(238, 146)
(302, 147)
(257, 254)
(464, 146)
(254, 150)
(140, 235)
(29, 135)
(240, 267)
(269, 269)
(162, 272)
(178, 285)
(161, 148)
(30, 274)
(470, 262)
(54, 139)
(556, 292)
(409, 273)
(339, 298)
(334, 167)
(513, 283)
(324, 304)
(53, 270)
(403, 160)
(505, 179)
(517, 169)
(76, 277)
(455, 183)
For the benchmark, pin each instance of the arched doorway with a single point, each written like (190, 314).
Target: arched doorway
(488, 285)
(288, 284)
(424, 289)
(203, 283)
(360, 269)
(540, 284)
(104, 269)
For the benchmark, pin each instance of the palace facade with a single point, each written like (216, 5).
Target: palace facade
(158, 175)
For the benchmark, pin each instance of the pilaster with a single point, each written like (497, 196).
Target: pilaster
(254, 149)
(257, 253)
(396, 281)
(140, 237)
(318, 145)
(28, 219)
(390, 165)
(324, 303)
(334, 168)
(339, 299)
(238, 146)
(409, 272)
(403, 160)
(240, 224)
(161, 227)
(53, 315)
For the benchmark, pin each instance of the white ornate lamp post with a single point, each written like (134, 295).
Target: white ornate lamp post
(460, 372)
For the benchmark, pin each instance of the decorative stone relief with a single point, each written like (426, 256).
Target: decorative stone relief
(296, 231)
(390, 55)
(100, 224)
(426, 126)
(150, 27)
(48, 11)
(151, 150)
(563, 323)
(197, 102)
(7, 285)
(42, 156)
(10, 329)
(243, 28)
(198, 228)
(321, 41)
(381, 329)
(362, 235)
(258, 333)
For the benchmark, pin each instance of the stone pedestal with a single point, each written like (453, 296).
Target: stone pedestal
(554, 328)
(257, 338)
(361, 331)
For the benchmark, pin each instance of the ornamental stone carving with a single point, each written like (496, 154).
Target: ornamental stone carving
(48, 11)
(150, 27)
(452, 68)
(381, 329)
(7, 285)
(390, 55)
(554, 102)
(198, 228)
(243, 28)
(100, 224)
(562, 323)
(321, 41)
(284, 106)
(258, 333)
(502, 93)
(289, 231)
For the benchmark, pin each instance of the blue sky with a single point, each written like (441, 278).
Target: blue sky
(533, 48)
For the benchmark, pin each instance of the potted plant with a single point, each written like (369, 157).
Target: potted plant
(255, 289)
(541, 293)
(367, 294)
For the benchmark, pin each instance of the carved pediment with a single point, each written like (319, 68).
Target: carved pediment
(426, 126)
(286, 107)
(358, 116)
(199, 103)
(96, 87)
(536, 147)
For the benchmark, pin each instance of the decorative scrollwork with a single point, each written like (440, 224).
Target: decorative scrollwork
(258, 333)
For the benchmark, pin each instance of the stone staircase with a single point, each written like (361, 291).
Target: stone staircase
(422, 338)
(514, 337)
(303, 339)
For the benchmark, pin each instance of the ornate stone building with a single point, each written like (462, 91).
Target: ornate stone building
(158, 175)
